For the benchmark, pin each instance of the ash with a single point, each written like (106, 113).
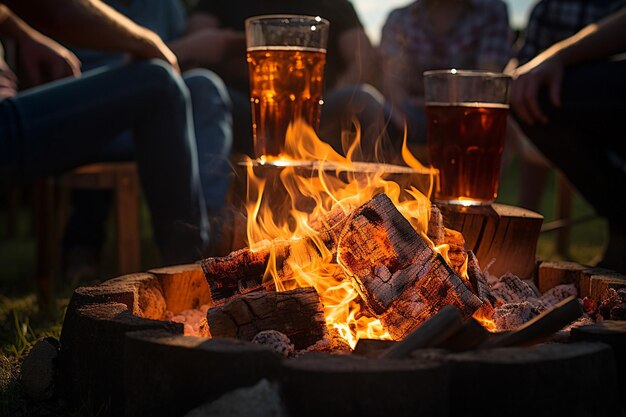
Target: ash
(517, 301)
(192, 319)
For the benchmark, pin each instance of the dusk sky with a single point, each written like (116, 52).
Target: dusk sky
(374, 12)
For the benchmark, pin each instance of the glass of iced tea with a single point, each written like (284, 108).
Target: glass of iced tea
(466, 113)
(286, 57)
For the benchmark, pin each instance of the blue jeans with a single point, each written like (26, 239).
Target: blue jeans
(68, 123)
(211, 109)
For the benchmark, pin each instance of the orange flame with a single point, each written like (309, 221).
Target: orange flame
(287, 193)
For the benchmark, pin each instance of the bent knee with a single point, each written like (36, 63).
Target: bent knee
(162, 77)
(207, 84)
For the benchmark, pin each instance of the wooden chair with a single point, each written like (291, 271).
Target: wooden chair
(51, 197)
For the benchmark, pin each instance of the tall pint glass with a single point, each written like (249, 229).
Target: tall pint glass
(286, 57)
(466, 113)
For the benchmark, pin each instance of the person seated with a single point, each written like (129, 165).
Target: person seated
(569, 101)
(210, 105)
(60, 125)
(350, 66)
(437, 34)
(551, 21)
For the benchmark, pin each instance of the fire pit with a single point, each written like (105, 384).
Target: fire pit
(117, 350)
(355, 296)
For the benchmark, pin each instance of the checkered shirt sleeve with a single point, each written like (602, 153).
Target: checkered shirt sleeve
(495, 40)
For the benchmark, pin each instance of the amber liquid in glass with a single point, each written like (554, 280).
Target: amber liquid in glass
(465, 142)
(285, 85)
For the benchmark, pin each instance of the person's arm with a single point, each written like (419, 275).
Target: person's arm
(42, 58)
(199, 21)
(210, 48)
(91, 24)
(357, 51)
(595, 41)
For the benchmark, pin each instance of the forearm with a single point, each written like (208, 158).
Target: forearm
(209, 47)
(83, 23)
(15, 28)
(595, 41)
(357, 51)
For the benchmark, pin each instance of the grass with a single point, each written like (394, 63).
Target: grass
(22, 324)
(587, 239)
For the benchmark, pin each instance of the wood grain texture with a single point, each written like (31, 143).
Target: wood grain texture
(297, 313)
(505, 233)
(400, 278)
(244, 271)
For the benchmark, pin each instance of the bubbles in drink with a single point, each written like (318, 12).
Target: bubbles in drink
(465, 142)
(285, 85)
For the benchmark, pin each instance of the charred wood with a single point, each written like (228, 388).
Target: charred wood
(245, 270)
(400, 278)
(298, 314)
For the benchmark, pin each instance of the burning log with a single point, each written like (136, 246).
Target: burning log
(456, 252)
(479, 281)
(440, 235)
(298, 314)
(243, 271)
(436, 230)
(510, 289)
(513, 315)
(541, 327)
(400, 278)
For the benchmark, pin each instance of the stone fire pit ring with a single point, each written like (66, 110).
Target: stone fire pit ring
(119, 354)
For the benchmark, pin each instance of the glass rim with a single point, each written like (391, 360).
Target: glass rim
(467, 73)
(302, 17)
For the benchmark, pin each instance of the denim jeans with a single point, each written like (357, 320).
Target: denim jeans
(68, 123)
(213, 129)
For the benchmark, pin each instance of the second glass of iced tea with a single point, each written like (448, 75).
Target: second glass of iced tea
(466, 113)
(286, 57)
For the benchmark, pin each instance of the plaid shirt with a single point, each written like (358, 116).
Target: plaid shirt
(554, 20)
(481, 36)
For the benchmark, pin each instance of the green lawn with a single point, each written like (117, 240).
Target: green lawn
(21, 324)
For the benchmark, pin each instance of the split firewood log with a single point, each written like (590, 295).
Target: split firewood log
(478, 280)
(298, 314)
(436, 230)
(439, 235)
(400, 278)
(244, 271)
(457, 254)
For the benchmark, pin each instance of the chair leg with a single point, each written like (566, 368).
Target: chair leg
(127, 212)
(43, 202)
(563, 212)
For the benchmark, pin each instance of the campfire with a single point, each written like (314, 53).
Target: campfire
(339, 253)
(349, 278)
